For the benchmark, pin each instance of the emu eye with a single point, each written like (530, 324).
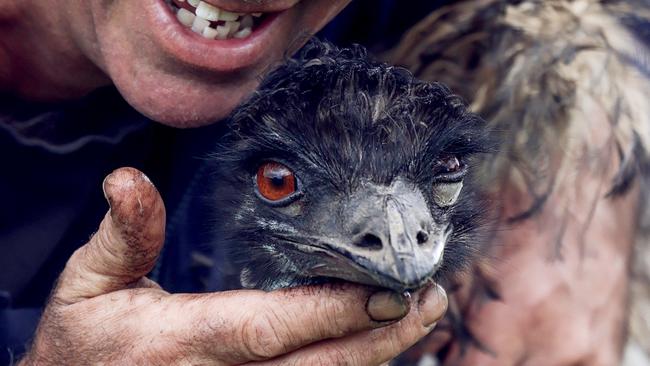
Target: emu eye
(275, 182)
(449, 180)
(449, 168)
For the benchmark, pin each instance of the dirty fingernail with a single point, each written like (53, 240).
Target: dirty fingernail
(387, 305)
(432, 305)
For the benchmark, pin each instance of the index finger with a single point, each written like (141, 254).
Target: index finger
(249, 325)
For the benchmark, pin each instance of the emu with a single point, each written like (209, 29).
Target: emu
(343, 168)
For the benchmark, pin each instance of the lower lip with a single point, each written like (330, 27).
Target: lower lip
(215, 55)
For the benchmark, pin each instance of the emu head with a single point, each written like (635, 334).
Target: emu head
(343, 168)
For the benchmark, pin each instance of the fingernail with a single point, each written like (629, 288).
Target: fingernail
(387, 305)
(432, 305)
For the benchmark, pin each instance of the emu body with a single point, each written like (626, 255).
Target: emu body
(340, 167)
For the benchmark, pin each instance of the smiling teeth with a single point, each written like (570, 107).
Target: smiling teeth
(228, 16)
(222, 32)
(199, 24)
(209, 33)
(208, 12)
(212, 22)
(233, 27)
(186, 17)
(243, 33)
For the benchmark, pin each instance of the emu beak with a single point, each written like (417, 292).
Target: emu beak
(392, 239)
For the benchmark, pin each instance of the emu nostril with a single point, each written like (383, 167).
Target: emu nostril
(422, 237)
(370, 241)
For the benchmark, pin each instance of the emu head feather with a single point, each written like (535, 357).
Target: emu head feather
(341, 167)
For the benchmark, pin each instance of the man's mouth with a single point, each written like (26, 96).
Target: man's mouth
(213, 22)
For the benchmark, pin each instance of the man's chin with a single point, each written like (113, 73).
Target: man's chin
(187, 108)
(182, 118)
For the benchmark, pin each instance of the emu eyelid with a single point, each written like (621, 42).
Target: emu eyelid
(446, 194)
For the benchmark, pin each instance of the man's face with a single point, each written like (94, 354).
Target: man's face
(177, 76)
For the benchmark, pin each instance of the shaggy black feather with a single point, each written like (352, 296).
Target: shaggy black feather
(339, 120)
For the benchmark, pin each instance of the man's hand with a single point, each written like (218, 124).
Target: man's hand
(103, 309)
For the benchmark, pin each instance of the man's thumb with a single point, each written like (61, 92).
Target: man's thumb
(125, 247)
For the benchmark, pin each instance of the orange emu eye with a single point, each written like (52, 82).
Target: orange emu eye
(275, 181)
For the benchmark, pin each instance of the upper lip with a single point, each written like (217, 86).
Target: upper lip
(253, 6)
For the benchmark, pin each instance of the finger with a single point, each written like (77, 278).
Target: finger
(255, 325)
(377, 346)
(125, 247)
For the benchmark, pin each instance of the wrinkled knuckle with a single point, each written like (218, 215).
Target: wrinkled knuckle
(59, 313)
(78, 255)
(75, 262)
(400, 344)
(384, 346)
(331, 315)
(264, 335)
(57, 301)
(340, 355)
